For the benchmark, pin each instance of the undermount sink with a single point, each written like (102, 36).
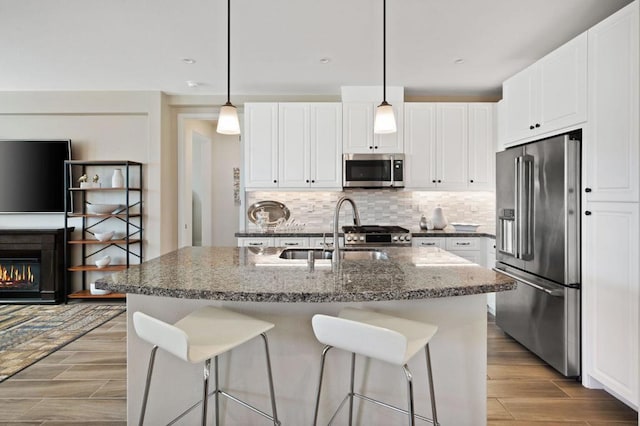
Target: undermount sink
(345, 254)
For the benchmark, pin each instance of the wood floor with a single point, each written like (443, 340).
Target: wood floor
(523, 391)
(84, 383)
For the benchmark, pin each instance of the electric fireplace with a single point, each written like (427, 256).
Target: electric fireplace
(19, 274)
(32, 265)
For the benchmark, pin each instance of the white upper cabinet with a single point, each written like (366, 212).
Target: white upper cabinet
(325, 145)
(261, 145)
(548, 96)
(449, 145)
(293, 145)
(420, 145)
(452, 145)
(310, 145)
(611, 146)
(482, 145)
(358, 136)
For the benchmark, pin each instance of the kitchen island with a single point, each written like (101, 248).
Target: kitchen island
(425, 284)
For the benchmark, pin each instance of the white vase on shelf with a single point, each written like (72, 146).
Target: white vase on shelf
(117, 180)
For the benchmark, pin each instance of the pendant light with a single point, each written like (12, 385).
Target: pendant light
(385, 121)
(228, 123)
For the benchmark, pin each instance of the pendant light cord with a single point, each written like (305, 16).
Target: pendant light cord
(229, 52)
(384, 51)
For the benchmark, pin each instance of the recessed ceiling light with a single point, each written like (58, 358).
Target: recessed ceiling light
(188, 61)
(458, 61)
(192, 83)
(325, 60)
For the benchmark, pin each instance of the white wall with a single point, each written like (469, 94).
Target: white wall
(225, 155)
(101, 126)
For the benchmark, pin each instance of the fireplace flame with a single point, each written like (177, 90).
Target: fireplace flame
(13, 275)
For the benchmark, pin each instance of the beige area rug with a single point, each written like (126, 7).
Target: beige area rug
(28, 333)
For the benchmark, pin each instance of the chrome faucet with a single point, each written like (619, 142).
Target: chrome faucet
(335, 259)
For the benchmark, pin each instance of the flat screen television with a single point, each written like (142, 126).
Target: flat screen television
(32, 177)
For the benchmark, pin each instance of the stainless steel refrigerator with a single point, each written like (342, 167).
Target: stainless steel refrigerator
(538, 244)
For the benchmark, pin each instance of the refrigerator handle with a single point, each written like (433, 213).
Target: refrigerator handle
(518, 219)
(526, 198)
(524, 192)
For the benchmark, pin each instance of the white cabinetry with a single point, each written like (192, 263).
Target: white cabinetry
(611, 296)
(549, 95)
(449, 145)
(611, 155)
(256, 242)
(466, 247)
(310, 145)
(428, 242)
(261, 145)
(358, 133)
(611, 224)
(293, 145)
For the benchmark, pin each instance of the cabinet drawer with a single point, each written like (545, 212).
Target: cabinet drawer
(318, 241)
(428, 242)
(292, 242)
(463, 243)
(255, 242)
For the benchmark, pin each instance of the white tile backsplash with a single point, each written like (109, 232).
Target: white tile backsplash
(381, 207)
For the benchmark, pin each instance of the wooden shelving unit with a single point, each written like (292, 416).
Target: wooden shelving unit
(128, 244)
(86, 294)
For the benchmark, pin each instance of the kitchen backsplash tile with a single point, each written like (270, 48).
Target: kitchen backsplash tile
(382, 207)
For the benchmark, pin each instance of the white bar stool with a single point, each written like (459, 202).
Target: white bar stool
(379, 336)
(200, 336)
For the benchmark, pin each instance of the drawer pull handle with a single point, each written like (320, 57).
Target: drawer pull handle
(428, 244)
(291, 244)
(463, 244)
(255, 244)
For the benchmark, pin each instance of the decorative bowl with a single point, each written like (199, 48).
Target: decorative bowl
(97, 291)
(103, 236)
(101, 263)
(103, 208)
(465, 227)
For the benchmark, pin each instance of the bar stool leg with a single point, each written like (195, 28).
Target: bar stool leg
(412, 413)
(353, 374)
(205, 391)
(145, 397)
(431, 391)
(216, 380)
(276, 422)
(322, 358)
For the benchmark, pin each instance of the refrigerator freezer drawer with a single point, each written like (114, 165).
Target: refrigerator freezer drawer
(545, 322)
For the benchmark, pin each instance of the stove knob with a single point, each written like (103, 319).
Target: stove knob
(408, 238)
(401, 238)
(395, 238)
(348, 238)
(361, 237)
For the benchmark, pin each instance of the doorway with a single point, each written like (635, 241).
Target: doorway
(208, 210)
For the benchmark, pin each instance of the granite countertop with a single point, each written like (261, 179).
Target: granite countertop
(259, 275)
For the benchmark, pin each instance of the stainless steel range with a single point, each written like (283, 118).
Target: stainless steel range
(375, 235)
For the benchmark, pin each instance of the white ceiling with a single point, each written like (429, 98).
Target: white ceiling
(277, 44)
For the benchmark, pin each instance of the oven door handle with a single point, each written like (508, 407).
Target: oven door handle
(555, 292)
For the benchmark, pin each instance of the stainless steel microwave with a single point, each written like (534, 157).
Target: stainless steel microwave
(373, 171)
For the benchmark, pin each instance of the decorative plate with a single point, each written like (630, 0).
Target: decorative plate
(278, 212)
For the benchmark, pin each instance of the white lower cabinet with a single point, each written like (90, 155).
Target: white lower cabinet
(428, 242)
(292, 242)
(611, 296)
(256, 242)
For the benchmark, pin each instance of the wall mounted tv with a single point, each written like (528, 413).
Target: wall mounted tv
(32, 177)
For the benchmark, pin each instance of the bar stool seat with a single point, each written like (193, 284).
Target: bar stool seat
(200, 336)
(383, 337)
